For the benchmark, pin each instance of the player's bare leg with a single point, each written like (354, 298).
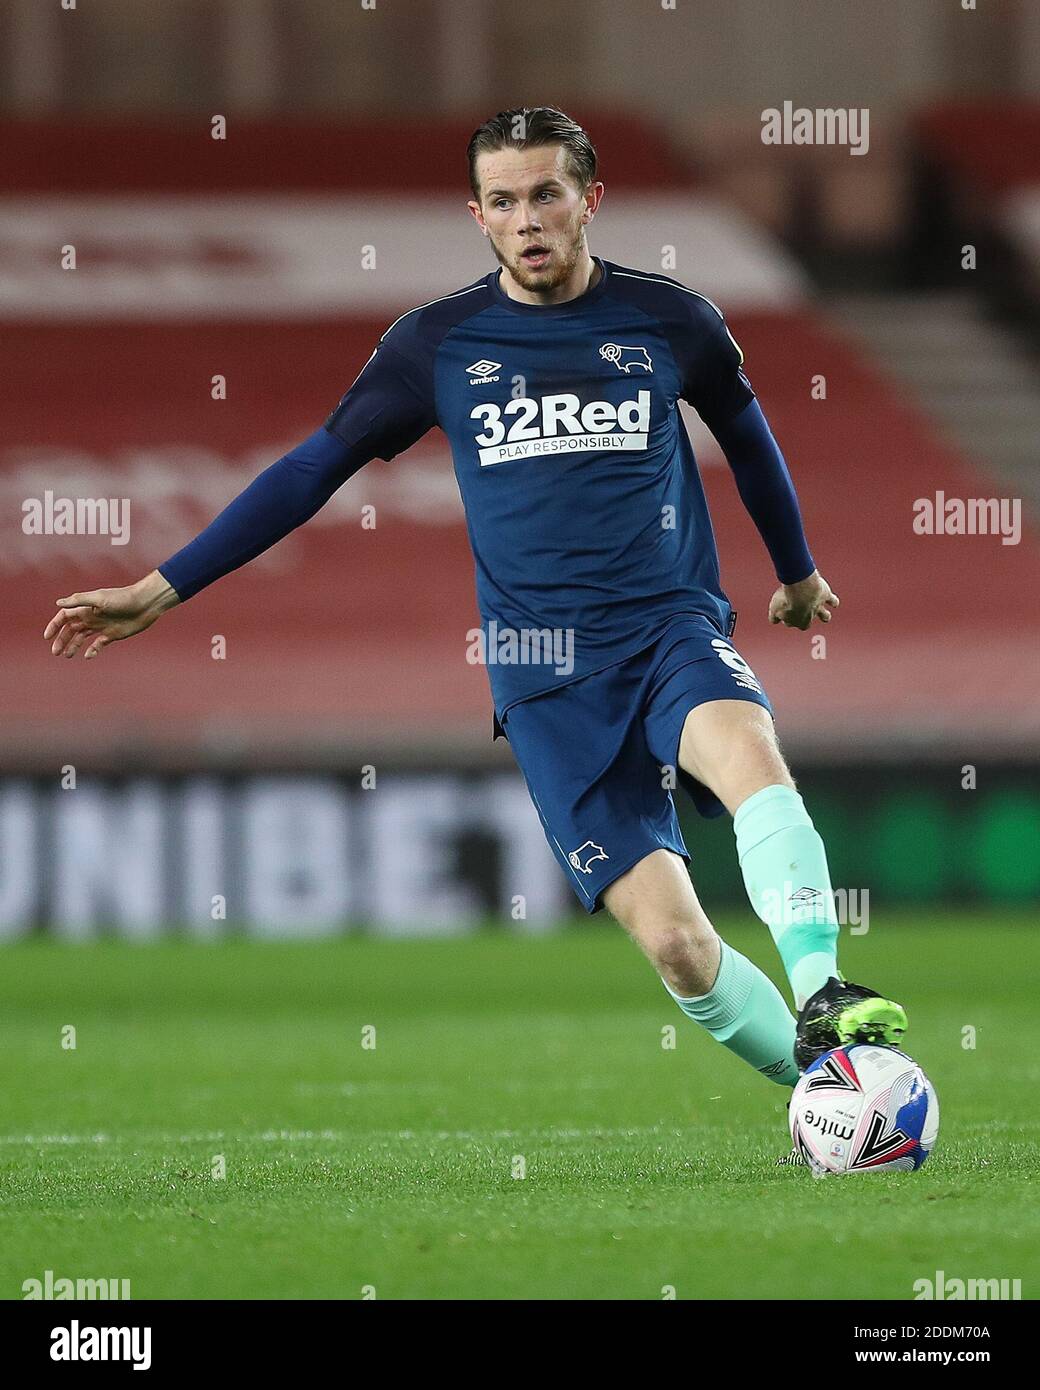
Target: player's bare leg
(656, 904)
(711, 982)
(731, 747)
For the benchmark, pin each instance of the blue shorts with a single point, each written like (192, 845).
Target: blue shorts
(593, 752)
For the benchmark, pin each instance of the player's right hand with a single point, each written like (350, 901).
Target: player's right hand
(100, 616)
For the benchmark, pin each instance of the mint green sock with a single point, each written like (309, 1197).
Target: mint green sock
(785, 872)
(746, 1012)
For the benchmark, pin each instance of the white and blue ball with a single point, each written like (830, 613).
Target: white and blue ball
(864, 1109)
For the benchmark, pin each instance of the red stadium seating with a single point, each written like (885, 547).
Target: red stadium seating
(356, 637)
(352, 632)
(162, 156)
(995, 145)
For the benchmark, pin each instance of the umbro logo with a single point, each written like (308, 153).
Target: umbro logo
(482, 371)
(805, 896)
(775, 1068)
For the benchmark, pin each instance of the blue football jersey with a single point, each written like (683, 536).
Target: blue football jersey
(583, 502)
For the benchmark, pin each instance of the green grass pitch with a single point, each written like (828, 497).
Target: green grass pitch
(646, 1169)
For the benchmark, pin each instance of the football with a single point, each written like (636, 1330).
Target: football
(864, 1109)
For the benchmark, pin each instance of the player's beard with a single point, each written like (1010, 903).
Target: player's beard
(566, 248)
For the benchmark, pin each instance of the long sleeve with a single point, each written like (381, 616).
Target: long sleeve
(281, 498)
(714, 383)
(384, 412)
(766, 490)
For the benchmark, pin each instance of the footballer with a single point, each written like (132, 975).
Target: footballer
(556, 379)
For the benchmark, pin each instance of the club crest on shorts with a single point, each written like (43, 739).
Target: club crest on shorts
(585, 856)
(625, 358)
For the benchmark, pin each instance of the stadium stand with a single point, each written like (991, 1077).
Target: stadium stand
(371, 638)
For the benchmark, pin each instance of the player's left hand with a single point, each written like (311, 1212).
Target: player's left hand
(796, 605)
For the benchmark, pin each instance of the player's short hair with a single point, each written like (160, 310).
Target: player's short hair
(527, 127)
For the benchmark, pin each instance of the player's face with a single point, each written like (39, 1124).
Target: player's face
(534, 214)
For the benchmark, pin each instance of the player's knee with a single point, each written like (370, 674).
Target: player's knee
(682, 952)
